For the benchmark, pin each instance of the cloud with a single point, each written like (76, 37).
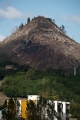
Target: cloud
(11, 13)
(72, 18)
(2, 38)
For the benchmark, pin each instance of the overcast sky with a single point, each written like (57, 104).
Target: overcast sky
(15, 12)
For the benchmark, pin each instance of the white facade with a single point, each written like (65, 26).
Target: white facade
(62, 109)
(0, 115)
(19, 107)
(33, 97)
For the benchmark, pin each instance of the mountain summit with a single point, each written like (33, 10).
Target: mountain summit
(42, 44)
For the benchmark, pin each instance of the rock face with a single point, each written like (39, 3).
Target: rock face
(41, 44)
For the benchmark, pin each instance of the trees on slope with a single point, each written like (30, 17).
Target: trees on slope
(63, 29)
(28, 20)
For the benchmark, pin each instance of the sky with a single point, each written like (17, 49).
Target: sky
(15, 12)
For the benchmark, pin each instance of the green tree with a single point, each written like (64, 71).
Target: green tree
(63, 29)
(31, 74)
(75, 110)
(38, 111)
(53, 20)
(21, 26)
(12, 110)
(28, 20)
(31, 110)
(50, 111)
(45, 107)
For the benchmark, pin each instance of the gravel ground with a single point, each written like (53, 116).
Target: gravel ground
(3, 97)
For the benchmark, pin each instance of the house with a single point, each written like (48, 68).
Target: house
(23, 103)
(9, 67)
(61, 108)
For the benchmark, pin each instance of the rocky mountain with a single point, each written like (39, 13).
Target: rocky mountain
(42, 44)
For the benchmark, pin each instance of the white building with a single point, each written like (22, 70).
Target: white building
(62, 109)
(33, 97)
(0, 115)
